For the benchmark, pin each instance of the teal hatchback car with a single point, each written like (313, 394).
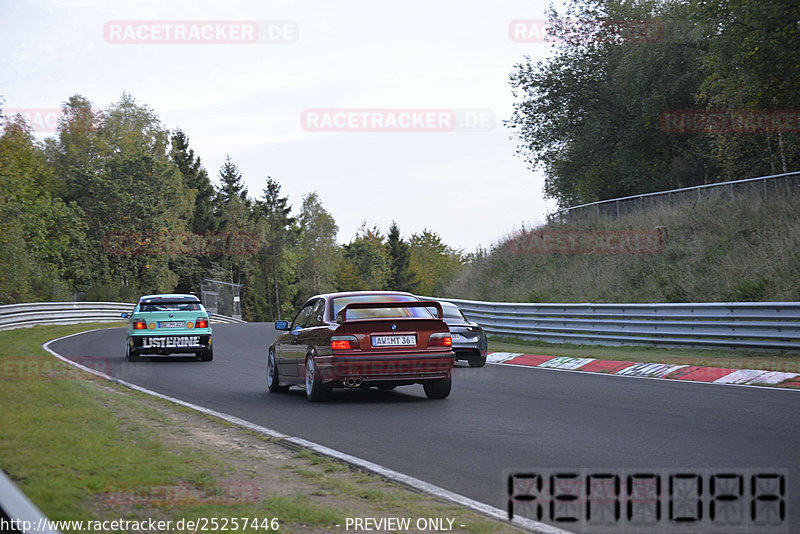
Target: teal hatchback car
(168, 324)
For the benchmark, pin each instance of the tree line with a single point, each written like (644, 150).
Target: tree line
(592, 115)
(85, 214)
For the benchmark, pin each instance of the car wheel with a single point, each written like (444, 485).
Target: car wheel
(477, 361)
(206, 355)
(273, 384)
(315, 389)
(130, 354)
(438, 389)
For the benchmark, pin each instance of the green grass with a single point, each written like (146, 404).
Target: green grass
(82, 448)
(739, 359)
(715, 250)
(63, 443)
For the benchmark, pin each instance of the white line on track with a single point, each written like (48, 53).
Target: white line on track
(395, 476)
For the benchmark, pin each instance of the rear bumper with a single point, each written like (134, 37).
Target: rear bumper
(170, 344)
(386, 367)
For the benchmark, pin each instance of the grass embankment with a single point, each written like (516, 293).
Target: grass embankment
(715, 250)
(727, 359)
(85, 449)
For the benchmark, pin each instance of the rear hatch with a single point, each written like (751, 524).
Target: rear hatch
(394, 335)
(164, 322)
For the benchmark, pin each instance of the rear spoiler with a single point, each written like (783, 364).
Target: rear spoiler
(341, 316)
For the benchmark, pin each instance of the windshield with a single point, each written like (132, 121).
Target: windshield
(340, 302)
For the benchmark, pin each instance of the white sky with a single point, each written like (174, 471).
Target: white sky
(246, 100)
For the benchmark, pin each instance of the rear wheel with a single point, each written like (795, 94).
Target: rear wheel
(273, 384)
(315, 389)
(130, 354)
(206, 355)
(438, 389)
(477, 361)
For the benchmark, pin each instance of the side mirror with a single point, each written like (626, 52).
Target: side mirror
(125, 315)
(281, 325)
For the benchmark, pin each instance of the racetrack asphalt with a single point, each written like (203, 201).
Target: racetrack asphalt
(498, 418)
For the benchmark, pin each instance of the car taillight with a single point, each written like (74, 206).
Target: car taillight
(201, 322)
(344, 342)
(440, 339)
(138, 324)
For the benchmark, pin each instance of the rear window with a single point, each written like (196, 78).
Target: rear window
(170, 306)
(452, 313)
(340, 302)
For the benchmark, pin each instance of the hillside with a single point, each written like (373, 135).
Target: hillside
(714, 250)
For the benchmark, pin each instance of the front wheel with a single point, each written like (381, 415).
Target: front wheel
(273, 384)
(438, 389)
(315, 389)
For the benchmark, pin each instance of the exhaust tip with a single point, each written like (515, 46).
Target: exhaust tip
(351, 382)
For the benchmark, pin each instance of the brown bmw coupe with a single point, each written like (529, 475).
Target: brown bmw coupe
(362, 339)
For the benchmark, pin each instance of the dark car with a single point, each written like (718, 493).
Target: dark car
(469, 339)
(362, 339)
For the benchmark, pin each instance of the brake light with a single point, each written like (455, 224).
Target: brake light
(344, 343)
(440, 339)
(138, 324)
(201, 322)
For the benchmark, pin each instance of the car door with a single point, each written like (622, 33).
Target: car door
(311, 333)
(286, 360)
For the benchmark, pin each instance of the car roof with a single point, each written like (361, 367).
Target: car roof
(168, 297)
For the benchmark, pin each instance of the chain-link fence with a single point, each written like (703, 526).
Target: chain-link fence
(221, 297)
(772, 186)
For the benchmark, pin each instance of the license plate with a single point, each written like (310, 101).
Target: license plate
(171, 324)
(394, 341)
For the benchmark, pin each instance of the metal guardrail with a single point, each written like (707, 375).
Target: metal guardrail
(20, 511)
(752, 325)
(772, 185)
(40, 313)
